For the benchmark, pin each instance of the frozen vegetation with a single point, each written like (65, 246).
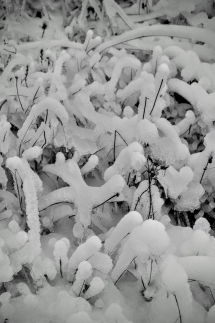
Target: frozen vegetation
(107, 169)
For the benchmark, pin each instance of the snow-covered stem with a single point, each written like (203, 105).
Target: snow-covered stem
(84, 271)
(30, 192)
(122, 230)
(90, 164)
(186, 32)
(96, 286)
(83, 253)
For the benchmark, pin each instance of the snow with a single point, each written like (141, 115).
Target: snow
(83, 252)
(199, 268)
(31, 300)
(173, 275)
(148, 234)
(147, 131)
(7, 311)
(5, 297)
(96, 286)
(123, 228)
(13, 225)
(209, 140)
(81, 317)
(101, 262)
(175, 182)
(6, 273)
(202, 224)
(196, 245)
(32, 153)
(211, 315)
(84, 270)
(129, 158)
(107, 185)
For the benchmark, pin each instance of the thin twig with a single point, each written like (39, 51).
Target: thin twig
(156, 97)
(115, 195)
(18, 94)
(124, 271)
(179, 312)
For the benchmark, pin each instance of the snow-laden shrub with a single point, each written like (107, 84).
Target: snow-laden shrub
(107, 156)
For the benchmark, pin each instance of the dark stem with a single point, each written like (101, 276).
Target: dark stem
(111, 252)
(115, 195)
(128, 178)
(187, 130)
(144, 107)
(81, 289)
(40, 210)
(61, 272)
(26, 75)
(150, 194)
(205, 168)
(17, 187)
(44, 26)
(87, 45)
(9, 51)
(139, 6)
(37, 139)
(98, 150)
(212, 294)
(138, 200)
(156, 97)
(143, 283)
(150, 276)
(125, 22)
(3, 103)
(18, 94)
(4, 136)
(25, 135)
(124, 271)
(114, 149)
(34, 98)
(45, 141)
(179, 312)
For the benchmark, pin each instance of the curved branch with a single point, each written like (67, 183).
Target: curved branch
(186, 32)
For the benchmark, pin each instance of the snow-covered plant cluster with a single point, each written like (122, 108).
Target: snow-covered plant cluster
(107, 161)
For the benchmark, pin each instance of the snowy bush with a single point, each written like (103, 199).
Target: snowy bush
(107, 143)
